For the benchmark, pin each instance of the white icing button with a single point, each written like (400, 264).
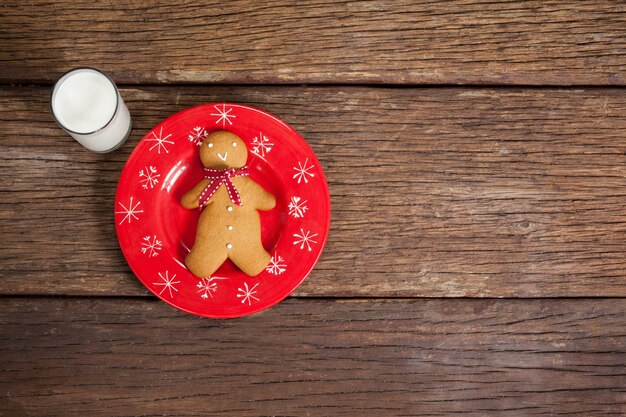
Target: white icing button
(229, 208)
(210, 145)
(229, 227)
(229, 246)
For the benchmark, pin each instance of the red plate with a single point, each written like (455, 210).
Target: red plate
(155, 232)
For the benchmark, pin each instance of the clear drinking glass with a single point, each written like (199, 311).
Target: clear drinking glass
(87, 105)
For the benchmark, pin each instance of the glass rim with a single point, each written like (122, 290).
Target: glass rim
(63, 77)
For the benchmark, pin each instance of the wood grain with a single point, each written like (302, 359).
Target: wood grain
(398, 42)
(435, 192)
(120, 357)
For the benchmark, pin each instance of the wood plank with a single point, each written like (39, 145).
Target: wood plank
(399, 42)
(461, 192)
(435, 192)
(120, 357)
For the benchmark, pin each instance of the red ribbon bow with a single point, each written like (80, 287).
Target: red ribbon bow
(219, 177)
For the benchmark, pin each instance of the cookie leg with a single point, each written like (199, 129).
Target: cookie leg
(202, 262)
(251, 258)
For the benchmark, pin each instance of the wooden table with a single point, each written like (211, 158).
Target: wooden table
(476, 158)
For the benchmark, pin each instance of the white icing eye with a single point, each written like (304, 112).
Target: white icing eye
(234, 144)
(210, 145)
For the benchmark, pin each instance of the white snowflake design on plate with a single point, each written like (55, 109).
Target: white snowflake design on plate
(197, 135)
(297, 207)
(304, 239)
(167, 283)
(148, 177)
(206, 287)
(247, 294)
(277, 265)
(151, 246)
(302, 171)
(224, 115)
(160, 142)
(130, 212)
(261, 144)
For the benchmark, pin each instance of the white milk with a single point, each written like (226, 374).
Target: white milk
(87, 105)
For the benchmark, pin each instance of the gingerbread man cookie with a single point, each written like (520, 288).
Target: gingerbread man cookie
(229, 226)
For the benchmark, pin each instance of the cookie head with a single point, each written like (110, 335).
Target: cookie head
(222, 150)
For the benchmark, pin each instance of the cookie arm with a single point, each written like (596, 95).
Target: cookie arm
(263, 200)
(191, 199)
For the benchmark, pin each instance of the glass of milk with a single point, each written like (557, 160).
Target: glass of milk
(87, 105)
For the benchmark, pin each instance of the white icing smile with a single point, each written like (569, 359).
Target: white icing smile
(223, 158)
